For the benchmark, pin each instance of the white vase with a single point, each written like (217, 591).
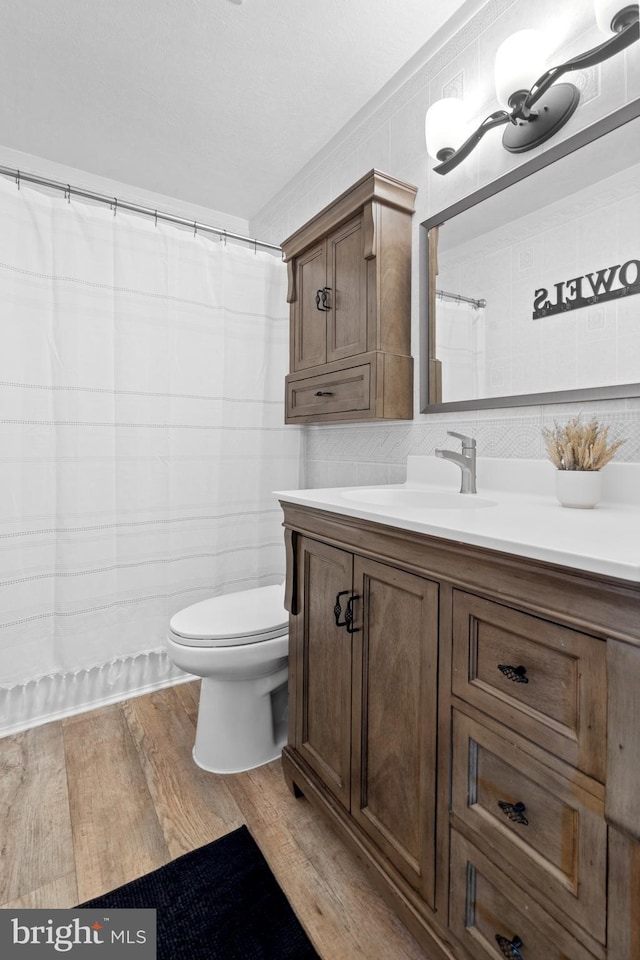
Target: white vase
(580, 489)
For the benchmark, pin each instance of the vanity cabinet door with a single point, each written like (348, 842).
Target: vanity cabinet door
(323, 682)
(394, 717)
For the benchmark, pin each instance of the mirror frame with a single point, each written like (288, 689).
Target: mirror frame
(428, 368)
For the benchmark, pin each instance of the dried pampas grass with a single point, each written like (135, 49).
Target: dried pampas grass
(580, 446)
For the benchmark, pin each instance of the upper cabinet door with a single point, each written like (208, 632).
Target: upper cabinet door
(309, 329)
(347, 282)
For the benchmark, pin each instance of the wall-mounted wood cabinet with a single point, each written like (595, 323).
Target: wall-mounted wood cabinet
(350, 298)
(470, 723)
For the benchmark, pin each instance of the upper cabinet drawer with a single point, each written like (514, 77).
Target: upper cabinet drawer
(330, 393)
(342, 389)
(545, 681)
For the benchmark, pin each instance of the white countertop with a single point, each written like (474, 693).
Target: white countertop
(525, 520)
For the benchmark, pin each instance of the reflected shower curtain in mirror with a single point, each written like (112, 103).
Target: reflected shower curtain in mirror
(141, 417)
(460, 338)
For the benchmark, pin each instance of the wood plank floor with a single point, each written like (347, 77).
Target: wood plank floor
(94, 801)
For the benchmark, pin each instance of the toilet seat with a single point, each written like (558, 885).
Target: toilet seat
(233, 619)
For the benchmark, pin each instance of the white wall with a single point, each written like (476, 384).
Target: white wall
(389, 134)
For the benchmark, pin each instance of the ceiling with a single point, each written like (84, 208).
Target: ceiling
(214, 102)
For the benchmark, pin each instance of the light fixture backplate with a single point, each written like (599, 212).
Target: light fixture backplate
(552, 112)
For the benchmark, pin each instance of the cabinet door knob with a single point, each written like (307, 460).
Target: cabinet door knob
(510, 948)
(514, 811)
(516, 674)
(323, 393)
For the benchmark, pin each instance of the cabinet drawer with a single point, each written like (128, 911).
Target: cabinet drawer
(485, 905)
(341, 391)
(545, 681)
(558, 842)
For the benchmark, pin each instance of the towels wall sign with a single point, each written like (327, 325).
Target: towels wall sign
(620, 280)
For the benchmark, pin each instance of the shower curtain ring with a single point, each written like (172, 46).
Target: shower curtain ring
(224, 237)
(195, 228)
(156, 219)
(18, 178)
(67, 193)
(115, 205)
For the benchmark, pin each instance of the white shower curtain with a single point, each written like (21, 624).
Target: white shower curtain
(142, 434)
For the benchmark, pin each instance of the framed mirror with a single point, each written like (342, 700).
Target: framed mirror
(528, 285)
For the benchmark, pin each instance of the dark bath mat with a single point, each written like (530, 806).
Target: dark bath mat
(220, 902)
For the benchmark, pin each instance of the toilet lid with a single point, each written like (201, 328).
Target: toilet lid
(246, 617)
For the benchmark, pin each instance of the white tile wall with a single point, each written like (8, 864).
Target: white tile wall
(390, 135)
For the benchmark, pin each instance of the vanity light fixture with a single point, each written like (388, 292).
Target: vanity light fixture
(519, 61)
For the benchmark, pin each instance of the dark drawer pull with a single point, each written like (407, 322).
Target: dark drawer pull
(323, 393)
(337, 609)
(510, 948)
(514, 811)
(517, 674)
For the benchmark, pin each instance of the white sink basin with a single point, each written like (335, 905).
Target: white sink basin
(417, 499)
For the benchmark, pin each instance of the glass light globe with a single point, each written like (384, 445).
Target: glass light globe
(445, 126)
(520, 61)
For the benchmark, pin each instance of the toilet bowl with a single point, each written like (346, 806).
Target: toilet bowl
(238, 644)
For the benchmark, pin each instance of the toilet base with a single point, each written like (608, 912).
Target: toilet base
(238, 728)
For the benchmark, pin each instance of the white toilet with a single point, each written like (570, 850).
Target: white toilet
(238, 644)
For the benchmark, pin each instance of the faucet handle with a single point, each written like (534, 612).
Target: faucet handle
(466, 441)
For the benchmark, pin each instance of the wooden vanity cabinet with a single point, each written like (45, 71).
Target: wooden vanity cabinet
(349, 292)
(470, 723)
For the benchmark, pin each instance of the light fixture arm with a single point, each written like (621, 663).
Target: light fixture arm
(522, 104)
(497, 119)
(615, 44)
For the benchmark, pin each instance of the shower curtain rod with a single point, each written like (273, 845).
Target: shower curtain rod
(114, 203)
(443, 295)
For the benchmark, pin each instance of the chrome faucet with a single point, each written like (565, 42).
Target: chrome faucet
(465, 460)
